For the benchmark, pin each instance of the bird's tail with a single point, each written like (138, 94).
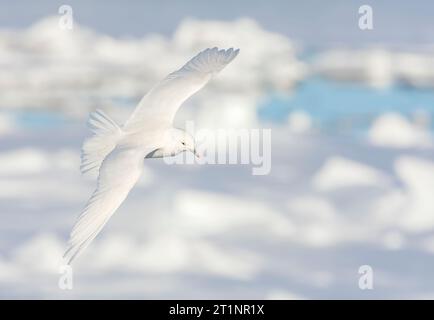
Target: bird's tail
(106, 134)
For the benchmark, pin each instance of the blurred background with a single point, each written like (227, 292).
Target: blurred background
(352, 173)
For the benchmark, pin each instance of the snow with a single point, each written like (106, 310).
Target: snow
(418, 176)
(303, 236)
(299, 122)
(330, 204)
(64, 78)
(377, 67)
(338, 172)
(394, 130)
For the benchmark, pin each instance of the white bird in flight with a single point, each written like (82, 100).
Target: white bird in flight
(117, 152)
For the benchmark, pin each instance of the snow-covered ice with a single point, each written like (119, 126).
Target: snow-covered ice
(330, 204)
(217, 231)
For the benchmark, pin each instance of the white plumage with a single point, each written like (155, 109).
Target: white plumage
(117, 152)
(162, 102)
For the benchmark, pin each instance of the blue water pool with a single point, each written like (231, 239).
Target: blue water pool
(354, 106)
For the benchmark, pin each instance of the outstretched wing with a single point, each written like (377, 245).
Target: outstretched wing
(118, 174)
(163, 101)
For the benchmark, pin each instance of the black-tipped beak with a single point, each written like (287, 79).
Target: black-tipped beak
(197, 155)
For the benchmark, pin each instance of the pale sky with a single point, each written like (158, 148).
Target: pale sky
(310, 22)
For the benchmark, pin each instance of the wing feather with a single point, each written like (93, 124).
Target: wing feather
(118, 175)
(163, 101)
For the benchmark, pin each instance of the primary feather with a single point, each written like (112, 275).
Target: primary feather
(163, 101)
(118, 174)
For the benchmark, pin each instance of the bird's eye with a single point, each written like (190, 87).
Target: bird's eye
(183, 143)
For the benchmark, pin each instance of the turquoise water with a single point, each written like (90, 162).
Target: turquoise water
(353, 106)
(38, 119)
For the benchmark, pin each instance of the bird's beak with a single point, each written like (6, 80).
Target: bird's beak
(197, 155)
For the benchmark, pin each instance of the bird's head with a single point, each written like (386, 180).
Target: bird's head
(184, 141)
